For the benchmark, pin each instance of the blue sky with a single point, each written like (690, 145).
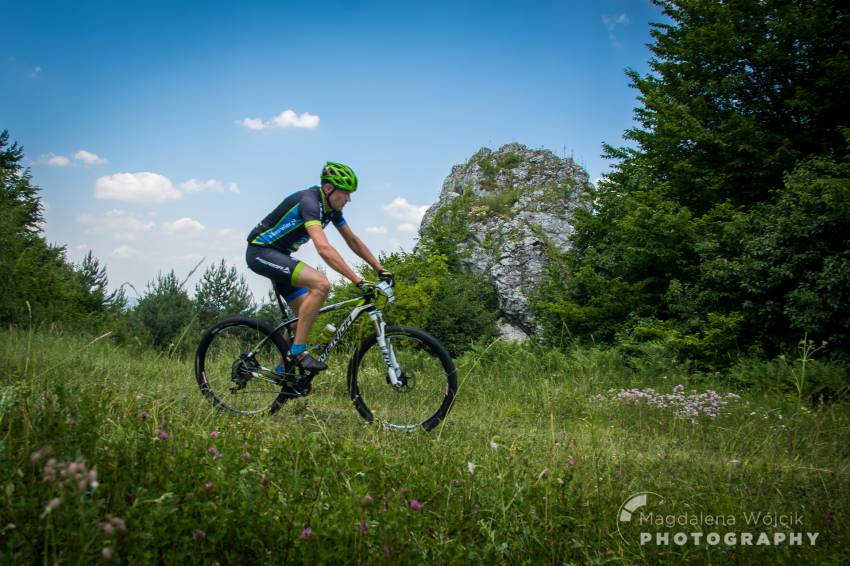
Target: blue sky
(161, 132)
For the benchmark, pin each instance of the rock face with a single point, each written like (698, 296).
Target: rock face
(518, 204)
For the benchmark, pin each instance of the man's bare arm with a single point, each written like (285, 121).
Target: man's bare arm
(359, 248)
(330, 255)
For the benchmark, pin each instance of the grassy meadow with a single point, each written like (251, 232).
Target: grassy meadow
(113, 455)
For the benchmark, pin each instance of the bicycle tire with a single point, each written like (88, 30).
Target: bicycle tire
(240, 388)
(421, 403)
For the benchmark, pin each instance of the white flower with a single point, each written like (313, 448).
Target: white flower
(470, 467)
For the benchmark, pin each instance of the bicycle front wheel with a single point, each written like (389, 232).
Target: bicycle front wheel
(428, 380)
(235, 362)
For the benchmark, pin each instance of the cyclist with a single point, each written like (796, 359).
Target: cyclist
(301, 217)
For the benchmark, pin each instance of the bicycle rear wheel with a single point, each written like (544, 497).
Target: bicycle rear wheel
(234, 366)
(429, 380)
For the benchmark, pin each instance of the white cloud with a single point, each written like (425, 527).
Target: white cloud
(119, 224)
(35, 72)
(233, 188)
(402, 210)
(54, 160)
(377, 229)
(253, 123)
(123, 252)
(196, 186)
(145, 188)
(406, 227)
(183, 226)
(89, 158)
(611, 23)
(286, 119)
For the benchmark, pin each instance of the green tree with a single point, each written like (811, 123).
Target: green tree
(165, 312)
(39, 284)
(221, 292)
(689, 237)
(739, 92)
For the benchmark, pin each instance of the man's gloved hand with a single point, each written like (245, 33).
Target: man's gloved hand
(366, 287)
(387, 275)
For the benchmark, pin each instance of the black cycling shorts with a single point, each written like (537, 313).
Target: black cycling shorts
(281, 268)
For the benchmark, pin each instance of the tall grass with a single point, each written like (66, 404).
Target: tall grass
(531, 466)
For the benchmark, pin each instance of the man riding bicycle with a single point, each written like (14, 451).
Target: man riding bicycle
(301, 217)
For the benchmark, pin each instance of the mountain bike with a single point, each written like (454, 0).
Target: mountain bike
(399, 376)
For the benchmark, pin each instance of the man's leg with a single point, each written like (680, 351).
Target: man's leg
(307, 306)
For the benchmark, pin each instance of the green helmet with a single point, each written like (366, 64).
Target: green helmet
(340, 176)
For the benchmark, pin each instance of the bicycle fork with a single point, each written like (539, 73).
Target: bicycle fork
(393, 371)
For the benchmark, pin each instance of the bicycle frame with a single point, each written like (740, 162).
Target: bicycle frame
(393, 370)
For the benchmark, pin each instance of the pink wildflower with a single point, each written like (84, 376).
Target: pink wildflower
(53, 504)
(209, 486)
(415, 504)
(144, 415)
(38, 454)
(214, 434)
(246, 456)
(361, 527)
(367, 498)
(307, 533)
(161, 434)
(198, 534)
(570, 461)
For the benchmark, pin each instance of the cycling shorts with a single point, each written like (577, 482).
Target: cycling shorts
(281, 268)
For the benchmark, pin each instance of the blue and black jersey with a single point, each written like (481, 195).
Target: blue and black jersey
(285, 229)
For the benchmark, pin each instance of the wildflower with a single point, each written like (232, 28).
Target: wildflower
(387, 551)
(53, 504)
(107, 529)
(306, 533)
(367, 498)
(361, 527)
(493, 445)
(214, 453)
(470, 467)
(570, 461)
(38, 454)
(246, 456)
(117, 523)
(415, 504)
(198, 534)
(144, 415)
(161, 434)
(137, 397)
(214, 434)
(106, 554)
(209, 486)
(265, 481)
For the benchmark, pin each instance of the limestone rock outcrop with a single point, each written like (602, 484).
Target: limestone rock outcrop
(518, 205)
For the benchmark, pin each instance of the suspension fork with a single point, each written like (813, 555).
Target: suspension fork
(393, 371)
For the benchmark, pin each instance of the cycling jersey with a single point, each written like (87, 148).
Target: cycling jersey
(285, 229)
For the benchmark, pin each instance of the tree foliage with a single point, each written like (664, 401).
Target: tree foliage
(221, 292)
(40, 285)
(722, 229)
(165, 312)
